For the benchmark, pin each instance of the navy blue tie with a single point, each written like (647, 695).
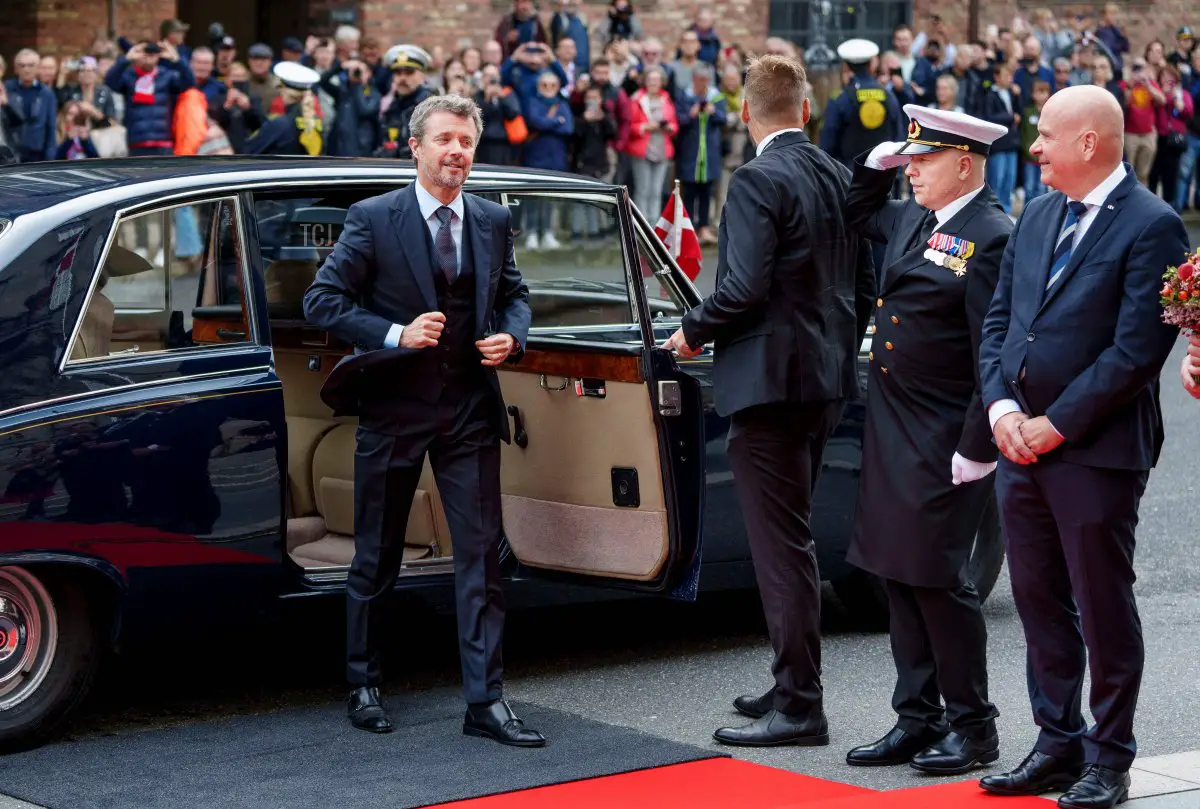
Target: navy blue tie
(1066, 241)
(447, 253)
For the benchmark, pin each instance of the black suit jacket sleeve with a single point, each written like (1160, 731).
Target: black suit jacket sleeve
(866, 287)
(334, 301)
(511, 307)
(995, 328)
(751, 222)
(868, 207)
(1141, 344)
(976, 441)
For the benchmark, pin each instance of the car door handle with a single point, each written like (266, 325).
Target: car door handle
(227, 334)
(520, 437)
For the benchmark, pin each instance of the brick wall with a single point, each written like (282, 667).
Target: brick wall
(69, 27)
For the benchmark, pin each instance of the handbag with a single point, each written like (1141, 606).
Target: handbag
(1176, 141)
(110, 141)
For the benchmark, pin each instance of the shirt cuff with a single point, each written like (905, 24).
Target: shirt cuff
(392, 340)
(1001, 408)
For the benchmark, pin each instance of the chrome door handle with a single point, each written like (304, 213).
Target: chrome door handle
(542, 383)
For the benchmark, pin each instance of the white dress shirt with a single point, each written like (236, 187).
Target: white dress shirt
(1094, 201)
(762, 146)
(429, 205)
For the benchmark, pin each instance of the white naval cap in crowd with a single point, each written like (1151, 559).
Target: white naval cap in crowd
(295, 75)
(857, 51)
(934, 130)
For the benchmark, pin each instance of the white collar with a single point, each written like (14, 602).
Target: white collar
(946, 213)
(1097, 196)
(429, 203)
(762, 146)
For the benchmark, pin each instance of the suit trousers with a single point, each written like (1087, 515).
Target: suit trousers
(775, 452)
(939, 644)
(464, 453)
(1070, 544)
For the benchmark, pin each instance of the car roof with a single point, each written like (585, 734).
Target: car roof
(28, 187)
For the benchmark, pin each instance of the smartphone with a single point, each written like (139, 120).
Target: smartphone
(897, 72)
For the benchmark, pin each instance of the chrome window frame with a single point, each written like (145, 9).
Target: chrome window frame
(132, 212)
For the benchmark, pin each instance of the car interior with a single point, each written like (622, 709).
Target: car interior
(581, 482)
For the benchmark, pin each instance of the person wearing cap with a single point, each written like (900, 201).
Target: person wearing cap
(1071, 361)
(408, 64)
(1181, 57)
(927, 447)
(291, 49)
(172, 32)
(150, 77)
(263, 84)
(299, 129)
(865, 114)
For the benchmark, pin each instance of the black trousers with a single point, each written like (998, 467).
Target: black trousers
(697, 198)
(1070, 544)
(775, 452)
(939, 643)
(464, 452)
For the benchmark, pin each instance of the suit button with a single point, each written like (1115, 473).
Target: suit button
(1029, 338)
(879, 302)
(896, 320)
(888, 345)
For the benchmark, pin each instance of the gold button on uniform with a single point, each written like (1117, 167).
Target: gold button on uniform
(896, 320)
(888, 346)
(879, 303)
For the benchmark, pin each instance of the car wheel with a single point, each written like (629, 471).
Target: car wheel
(49, 651)
(863, 595)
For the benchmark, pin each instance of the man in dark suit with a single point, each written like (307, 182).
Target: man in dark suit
(793, 297)
(1073, 347)
(928, 452)
(423, 281)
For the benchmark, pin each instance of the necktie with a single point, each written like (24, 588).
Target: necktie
(444, 241)
(924, 232)
(1066, 241)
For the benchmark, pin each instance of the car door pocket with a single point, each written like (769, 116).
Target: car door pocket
(625, 491)
(594, 388)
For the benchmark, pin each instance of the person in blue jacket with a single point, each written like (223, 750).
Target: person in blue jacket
(33, 103)
(150, 77)
(551, 127)
(702, 115)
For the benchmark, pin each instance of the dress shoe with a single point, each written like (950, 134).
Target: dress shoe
(775, 728)
(956, 754)
(897, 747)
(1098, 788)
(1036, 775)
(366, 711)
(496, 721)
(755, 707)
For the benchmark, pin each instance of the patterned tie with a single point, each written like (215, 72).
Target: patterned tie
(447, 253)
(1066, 241)
(923, 233)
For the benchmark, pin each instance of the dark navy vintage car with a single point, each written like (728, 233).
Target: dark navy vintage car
(163, 443)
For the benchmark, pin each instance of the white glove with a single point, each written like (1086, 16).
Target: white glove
(963, 470)
(884, 157)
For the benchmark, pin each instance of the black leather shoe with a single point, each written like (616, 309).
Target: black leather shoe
(957, 754)
(897, 747)
(1098, 788)
(755, 707)
(497, 722)
(366, 711)
(1036, 775)
(774, 728)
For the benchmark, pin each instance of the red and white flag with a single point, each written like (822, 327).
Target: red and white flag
(675, 230)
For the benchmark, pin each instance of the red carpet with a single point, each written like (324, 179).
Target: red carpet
(724, 783)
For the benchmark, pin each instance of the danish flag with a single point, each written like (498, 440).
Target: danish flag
(675, 230)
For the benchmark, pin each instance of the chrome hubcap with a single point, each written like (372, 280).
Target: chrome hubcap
(28, 635)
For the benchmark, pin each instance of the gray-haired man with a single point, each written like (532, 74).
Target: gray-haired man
(423, 380)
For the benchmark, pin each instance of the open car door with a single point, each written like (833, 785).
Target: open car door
(603, 483)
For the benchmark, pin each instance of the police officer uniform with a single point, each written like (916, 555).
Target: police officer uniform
(298, 130)
(928, 452)
(865, 114)
(395, 120)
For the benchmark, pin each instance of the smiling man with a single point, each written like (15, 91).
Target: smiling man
(927, 453)
(423, 282)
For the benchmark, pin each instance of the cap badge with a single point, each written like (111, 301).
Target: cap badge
(914, 130)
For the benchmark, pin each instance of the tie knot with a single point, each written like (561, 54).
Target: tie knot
(1077, 208)
(443, 214)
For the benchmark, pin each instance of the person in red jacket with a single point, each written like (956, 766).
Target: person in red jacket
(653, 126)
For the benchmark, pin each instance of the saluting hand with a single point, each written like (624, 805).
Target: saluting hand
(1010, 441)
(497, 348)
(424, 331)
(1040, 435)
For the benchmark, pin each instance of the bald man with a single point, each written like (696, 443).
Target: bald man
(1073, 347)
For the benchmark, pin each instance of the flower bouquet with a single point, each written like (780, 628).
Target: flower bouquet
(1181, 295)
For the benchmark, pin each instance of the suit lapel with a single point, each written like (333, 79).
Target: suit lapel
(411, 232)
(477, 229)
(1110, 209)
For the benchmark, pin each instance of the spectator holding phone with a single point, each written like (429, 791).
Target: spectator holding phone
(74, 133)
(1143, 97)
(499, 107)
(593, 131)
(653, 126)
(520, 27)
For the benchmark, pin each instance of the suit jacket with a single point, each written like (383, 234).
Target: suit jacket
(795, 284)
(929, 321)
(1092, 346)
(378, 275)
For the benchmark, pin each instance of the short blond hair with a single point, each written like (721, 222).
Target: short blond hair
(775, 89)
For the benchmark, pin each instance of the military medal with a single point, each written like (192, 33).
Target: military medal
(950, 252)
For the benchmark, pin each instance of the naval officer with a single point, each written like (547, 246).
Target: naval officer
(865, 114)
(297, 131)
(928, 454)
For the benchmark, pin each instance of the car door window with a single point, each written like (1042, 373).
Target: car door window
(167, 274)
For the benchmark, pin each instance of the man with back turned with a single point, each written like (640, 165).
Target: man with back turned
(793, 295)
